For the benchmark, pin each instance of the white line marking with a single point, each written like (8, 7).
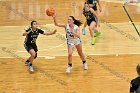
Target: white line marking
(46, 57)
(48, 48)
(54, 47)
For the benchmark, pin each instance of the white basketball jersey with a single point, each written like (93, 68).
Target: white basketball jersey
(68, 32)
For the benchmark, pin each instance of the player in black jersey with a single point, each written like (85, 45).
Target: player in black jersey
(92, 21)
(30, 42)
(135, 83)
(93, 5)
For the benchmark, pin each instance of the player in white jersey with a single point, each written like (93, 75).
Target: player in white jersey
(73, 40)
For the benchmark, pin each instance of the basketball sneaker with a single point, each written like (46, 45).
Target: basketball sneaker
(85, 66)
(30, 67)
(68, 69)
(97, 34)
(93, 41)
(83, 31)
(26, 63)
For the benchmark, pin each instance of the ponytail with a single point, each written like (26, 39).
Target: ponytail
(76, 22)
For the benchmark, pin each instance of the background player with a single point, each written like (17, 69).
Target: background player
(135, 83)
(92, 21)
(93, 5)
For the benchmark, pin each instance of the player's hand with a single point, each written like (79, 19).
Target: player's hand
(97, 24)
(100, 9)
(54, 15)
(72, 29)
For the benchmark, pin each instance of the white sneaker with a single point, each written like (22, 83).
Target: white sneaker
(26, 63)
(68, 69)
(31, 68)
(85, 66)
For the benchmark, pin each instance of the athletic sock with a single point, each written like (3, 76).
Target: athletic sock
(30, 64)
(70, 64)
(84, 62)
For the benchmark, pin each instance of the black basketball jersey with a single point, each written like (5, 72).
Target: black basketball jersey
(88, 15)
(32, 36)
(92, 1)
(135, 85)
(93, 4)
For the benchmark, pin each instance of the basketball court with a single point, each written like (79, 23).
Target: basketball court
(112, 60)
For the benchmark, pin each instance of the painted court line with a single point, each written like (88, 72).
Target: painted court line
(48, 48)
(46, 57)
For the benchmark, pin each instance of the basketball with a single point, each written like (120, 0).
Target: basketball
(50, 11)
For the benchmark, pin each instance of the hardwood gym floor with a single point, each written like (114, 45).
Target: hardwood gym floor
(111, 61)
